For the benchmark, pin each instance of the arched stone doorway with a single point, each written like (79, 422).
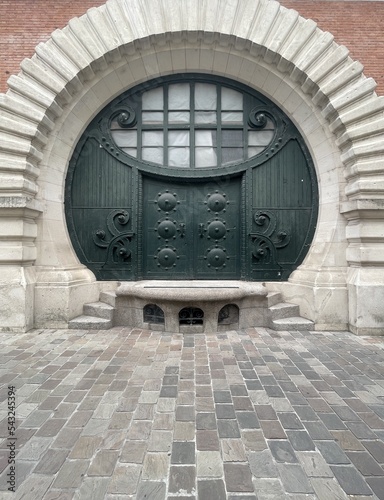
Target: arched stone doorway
(97, 57)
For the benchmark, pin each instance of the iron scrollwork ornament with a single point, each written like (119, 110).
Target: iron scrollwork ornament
(118, 246)
(258, 118)
(266, 241)
(126, 118)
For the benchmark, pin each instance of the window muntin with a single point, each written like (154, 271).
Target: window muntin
(192, 125)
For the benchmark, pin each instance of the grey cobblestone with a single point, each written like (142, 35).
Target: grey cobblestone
(240, 415)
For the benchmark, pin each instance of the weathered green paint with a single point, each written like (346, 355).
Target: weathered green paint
(129, 219)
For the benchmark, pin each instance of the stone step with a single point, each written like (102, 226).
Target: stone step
(273, 298)
(98, 310)
(89, 323)
(293, 323)
(284, 310)
(108, 297)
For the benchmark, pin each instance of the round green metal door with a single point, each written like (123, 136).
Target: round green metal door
(191, 178)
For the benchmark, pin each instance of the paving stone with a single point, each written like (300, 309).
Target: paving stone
(225, 411)
(207, 440)
(238, 477)
(133, 452)
(184, 431)
(160, 440)
(361, 430)
(328, 489)
(232, 450)
(269, 489)
(262, 464)
(124, 480)
(51, 462)
(253, 440)
(332, 453)
(272, 429)
(51, 427)
(151, 490)
(211, 489)
(332, 421)
(300, 440)
(377, 486)
(317, 430)
(347, 441)
(238, 390)
(182, 479)
(33, 488)
(314, 464)
(185, 413)
(168, 391)
(294, 478)
(222, 397)
(85, 447)
(365, 463)
(206, 421)
(91, 487)
(247, 420)
(34, 449)
(282, 451)
(67, 438)
(104, 463)
(155, 466)
(350, 480)
(209, 464)
(139, 429)
(183, 453)
(71, 474)
(290, 421)
(228, 429)
(376, 449)
(265, 412)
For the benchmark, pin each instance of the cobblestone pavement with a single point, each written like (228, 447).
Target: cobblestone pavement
(245, 415)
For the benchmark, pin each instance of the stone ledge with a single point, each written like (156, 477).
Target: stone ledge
(192, 291)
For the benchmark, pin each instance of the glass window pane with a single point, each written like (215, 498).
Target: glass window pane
(231, 99)
(205, 117)
(205, 137)
(152, 117)
(232, 138)
(154, 155)
(260, 137)
(230, 155)
(254, 151)
(205, 96)
(179, 96)
(205, 157)
(232, 117)
(125, 138)
(178, 138)
(153, 99)
(178, 157)
(130, 151)
(178, 117)
(152, 138)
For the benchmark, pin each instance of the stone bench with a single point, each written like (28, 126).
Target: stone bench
(248, 299)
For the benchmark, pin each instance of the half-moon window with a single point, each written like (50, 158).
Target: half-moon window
(192, 125)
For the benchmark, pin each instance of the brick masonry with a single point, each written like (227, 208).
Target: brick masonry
(357, 25)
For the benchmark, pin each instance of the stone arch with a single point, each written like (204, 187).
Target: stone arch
(112, 47)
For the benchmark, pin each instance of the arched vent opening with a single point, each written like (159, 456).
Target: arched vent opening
(191, 316)
(153, 314)
(228, 315)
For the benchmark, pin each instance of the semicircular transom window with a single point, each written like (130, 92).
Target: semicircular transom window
(192, 125)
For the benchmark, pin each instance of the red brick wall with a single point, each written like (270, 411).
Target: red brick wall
(358, 25)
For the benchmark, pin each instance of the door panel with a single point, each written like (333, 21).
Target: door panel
(191, 230)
